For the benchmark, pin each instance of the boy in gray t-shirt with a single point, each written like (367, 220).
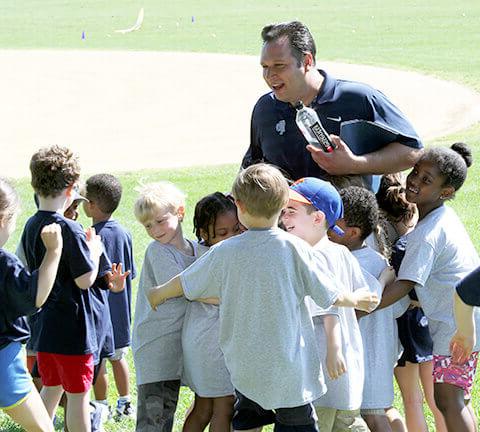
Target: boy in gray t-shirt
(266, 334)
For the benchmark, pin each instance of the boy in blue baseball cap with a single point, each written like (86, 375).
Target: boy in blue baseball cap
(312, 210)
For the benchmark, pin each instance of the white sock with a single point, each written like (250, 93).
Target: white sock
(103, 402)
(123, 399)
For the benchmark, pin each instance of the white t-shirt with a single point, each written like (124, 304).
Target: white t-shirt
(380, 337)
(266, 332)
(345, 392)
(157, 335)
(438, 255)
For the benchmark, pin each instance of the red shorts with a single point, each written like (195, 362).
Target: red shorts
(73, 372)
(459, 375)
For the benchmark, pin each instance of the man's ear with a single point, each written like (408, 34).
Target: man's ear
(308, 62)
(181, 213)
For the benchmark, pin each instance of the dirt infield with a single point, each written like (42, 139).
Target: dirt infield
(125, 111)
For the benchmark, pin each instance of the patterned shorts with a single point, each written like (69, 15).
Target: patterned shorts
(459, 375)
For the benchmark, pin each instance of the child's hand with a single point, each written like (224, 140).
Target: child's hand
(461, 347)
(116, 279)
(94, 243)
(51, 236)
(155, 298)
(335, 363)
(387, 276)
(366, 300)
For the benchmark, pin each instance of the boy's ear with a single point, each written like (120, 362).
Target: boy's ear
(240, 205)
(353, 232)
(319, 217)
(69, 190)
(181, 213)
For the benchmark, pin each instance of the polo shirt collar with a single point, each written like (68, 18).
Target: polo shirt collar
(327, 89)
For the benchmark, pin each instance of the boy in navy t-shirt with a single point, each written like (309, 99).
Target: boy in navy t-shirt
(65, 336)
(104, 192)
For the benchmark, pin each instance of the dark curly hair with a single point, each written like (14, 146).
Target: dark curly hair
(207, 210)
(53, 169)
(105, 190)
(360, 209)
(452, 163)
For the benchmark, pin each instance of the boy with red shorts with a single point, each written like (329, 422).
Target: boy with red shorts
(65, 335)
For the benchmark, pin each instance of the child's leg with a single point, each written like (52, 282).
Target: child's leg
(156, 406)
(120, 374)
(78, 413)
(100, 388)
(199, 417)
(451, 403)
(376, 420)
(452, 385)
(31, 414)
(51, 396)
(426, 369)
(396, 420)
(408, 380)
(222, 414)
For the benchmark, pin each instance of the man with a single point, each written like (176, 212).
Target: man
(288, 62)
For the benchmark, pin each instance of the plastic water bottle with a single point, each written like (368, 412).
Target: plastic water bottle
(312, 129)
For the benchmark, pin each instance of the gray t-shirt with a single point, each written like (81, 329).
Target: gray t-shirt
(380, 335)
(266, 333)
(344, 393)
(439, 254)
(156, 341)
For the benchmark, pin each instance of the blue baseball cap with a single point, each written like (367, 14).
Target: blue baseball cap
(321, 195)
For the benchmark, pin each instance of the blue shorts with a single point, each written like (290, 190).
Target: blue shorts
(15, 379)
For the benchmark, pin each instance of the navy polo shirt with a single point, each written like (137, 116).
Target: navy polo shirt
(18, 292)
(276, 139)
(118, 246)
(65, 323)
(468, 288)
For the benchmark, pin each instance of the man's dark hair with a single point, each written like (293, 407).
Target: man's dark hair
(299, 37)
(105, 191)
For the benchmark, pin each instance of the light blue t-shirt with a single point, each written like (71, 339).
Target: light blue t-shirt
(266, 333)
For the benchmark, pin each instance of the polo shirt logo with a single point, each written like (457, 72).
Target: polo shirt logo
(280, 127)
(337, 119)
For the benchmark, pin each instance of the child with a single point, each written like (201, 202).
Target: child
(313, 208)
(215, 220)
(64, 339)
(157, 342)
(439, 253)
(379, 329)
(22, 293)
(104, 192)
(415, 364)
(266, 334)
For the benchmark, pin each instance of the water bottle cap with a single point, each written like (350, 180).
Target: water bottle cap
(299, 105)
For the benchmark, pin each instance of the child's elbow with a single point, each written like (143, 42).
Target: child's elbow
(85, 281)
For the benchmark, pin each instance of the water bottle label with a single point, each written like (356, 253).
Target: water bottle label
(317, 130)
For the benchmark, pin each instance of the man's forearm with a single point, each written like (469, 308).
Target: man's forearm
(392, 158)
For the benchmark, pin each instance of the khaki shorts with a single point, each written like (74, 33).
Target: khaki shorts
(333, 420)
(373, 411)
(120, 353)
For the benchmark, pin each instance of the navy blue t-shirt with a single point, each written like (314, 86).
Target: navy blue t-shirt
(276, 139)
(18, 292)
(65, 323)
(468, 288)
(118, 246)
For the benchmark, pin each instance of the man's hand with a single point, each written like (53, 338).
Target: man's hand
(51, 236)
(116, 279)
(335, 363)
(365, 300)
(94, 243)
(339, 162)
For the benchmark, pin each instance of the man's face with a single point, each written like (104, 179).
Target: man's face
(281, 71)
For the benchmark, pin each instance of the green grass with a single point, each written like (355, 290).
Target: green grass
(437, 37)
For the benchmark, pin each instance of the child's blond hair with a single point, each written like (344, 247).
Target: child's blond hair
(262, 189)
(160, 196)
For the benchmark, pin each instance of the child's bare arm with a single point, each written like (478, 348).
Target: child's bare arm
(158, 295)
(52, 239)
(95, 246)
(462, 342)
(395, 292)
(209, 300)
(361, 299)
(335, 361)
